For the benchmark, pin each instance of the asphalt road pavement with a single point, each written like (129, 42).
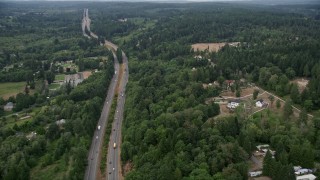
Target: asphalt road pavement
(97, 139)
(113, 157)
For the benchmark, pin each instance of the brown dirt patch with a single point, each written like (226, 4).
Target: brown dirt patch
(127, 168)
(86, 74)
(244, 92)
(211, 47)
(301, 82)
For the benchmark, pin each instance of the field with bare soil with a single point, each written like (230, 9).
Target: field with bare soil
(211, 47)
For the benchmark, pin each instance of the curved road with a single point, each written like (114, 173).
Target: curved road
(113, 157)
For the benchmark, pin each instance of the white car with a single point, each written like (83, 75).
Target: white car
(97, 137)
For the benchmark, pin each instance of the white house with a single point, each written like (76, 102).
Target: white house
(303, 171)
(255, 173)
(260, 103)
(297, 168)
(233, 105)
(8, 106)
(306, 177)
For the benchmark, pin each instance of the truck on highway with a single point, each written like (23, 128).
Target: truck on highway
(99, 127)
(114, 145)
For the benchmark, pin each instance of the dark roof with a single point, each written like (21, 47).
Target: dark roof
(235, 100)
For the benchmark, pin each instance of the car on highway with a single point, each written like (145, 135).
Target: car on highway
(97, 137)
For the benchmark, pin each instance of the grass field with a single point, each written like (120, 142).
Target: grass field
(59, 77)
(11, 89)
(54, 86)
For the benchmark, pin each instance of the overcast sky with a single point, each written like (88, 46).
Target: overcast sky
(254, 1)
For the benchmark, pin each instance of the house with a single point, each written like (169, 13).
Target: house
(264, 146)
(8, 106)
(306, 177)
(303, 171)
(255, 173)
(233, 104)
(296, 168)
(260, 103)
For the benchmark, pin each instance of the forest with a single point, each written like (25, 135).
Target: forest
(171, 133)
(170, 130)
(54, 142)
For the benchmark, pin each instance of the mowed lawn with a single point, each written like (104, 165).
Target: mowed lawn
(11, 89)
(59, 77)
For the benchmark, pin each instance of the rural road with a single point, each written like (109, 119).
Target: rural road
(113, 156)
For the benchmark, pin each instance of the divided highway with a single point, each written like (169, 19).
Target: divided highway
(113, 157)
(97, 139)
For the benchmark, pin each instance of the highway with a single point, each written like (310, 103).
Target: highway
(97, 139)
(113, 158)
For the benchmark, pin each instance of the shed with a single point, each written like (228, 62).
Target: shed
(8, 106)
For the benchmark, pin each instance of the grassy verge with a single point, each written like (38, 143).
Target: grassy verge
(107, 136)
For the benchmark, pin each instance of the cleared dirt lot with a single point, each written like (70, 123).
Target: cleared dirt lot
(244, 92)
(86, 74)
(301, 82)
(212, 47)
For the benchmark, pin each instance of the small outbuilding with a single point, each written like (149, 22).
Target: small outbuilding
(8, 106)
(260, 103)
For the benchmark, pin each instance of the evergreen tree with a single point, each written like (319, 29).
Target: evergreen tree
(295, 95)
(278, 104)
(303, 116)
(287, 109)
(255, 93)
(268, 164)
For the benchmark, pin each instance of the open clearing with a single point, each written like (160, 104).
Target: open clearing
(86, 74)
(301, 82)
(11, 89)
(212, 47)
(59, 77)
(244, 92)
